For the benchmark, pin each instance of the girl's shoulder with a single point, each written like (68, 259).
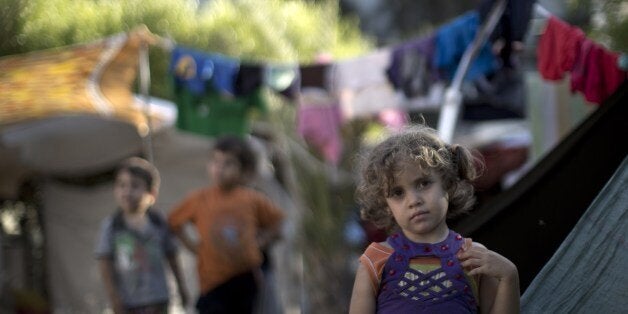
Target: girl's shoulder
(374, 259)
(377, 253)
(383, 247)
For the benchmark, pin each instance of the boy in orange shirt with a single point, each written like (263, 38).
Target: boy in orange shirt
(233, 223)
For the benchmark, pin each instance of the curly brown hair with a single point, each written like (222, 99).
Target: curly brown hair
(421, 144)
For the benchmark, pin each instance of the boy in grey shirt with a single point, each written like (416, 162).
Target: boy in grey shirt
(133, 243)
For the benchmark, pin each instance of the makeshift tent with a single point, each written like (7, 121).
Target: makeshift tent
(528, 222)
(587, 272)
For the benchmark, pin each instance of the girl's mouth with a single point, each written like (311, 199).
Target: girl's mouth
(419, 214)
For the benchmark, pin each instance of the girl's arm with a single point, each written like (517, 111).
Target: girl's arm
(363, 296)
(499, 284)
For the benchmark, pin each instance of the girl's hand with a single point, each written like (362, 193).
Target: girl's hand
(499, 287)
(480, 260)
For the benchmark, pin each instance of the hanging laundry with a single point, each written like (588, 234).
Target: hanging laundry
(213, 114)
(283, 79)
(453, 39)
(596, 73)
(558, 49)
(393, 119)
(315, 75)
(250, 77)
(318, 115)
(191, 69)
(501, 95)
(224, 74)
(361, 85)
(411, 69)
(512, 26)
(318, 123)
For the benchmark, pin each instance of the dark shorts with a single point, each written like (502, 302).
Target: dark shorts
(159, 308)
(235, 296)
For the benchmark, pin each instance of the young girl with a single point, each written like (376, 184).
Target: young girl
(410, 184)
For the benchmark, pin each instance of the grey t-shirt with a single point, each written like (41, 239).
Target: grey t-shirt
(138, 258)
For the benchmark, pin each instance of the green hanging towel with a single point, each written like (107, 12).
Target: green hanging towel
(213, 114)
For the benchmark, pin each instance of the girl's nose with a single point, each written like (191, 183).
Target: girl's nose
(414, 198)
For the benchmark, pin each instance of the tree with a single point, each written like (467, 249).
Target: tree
(605, 21)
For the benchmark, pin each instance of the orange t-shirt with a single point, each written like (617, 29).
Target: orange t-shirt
(227, 223)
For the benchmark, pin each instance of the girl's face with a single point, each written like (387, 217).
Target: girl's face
(418, 203)
(224, 169)
(132, 193)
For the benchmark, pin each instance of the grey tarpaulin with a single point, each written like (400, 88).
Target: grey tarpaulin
(587, 274)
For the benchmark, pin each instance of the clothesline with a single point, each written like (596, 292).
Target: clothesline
(346, 89)
(168, 44)
(450, 109)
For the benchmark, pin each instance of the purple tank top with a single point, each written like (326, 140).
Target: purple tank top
(442, 290)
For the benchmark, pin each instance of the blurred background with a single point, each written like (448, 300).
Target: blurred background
(56, 163)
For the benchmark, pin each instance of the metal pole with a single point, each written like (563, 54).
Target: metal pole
(453, 97)
(144, 89)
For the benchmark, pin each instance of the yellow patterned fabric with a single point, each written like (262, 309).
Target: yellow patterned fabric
(92, 79)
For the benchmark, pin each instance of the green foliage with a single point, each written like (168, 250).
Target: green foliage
(605, 21)
(10, 26)
(616, 24)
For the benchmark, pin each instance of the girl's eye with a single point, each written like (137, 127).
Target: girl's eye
(396, 193)
(424, 183)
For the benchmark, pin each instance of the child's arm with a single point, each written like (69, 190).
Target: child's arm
(270, 220)
(363, 297)
(189, 244)
(106, 272)
(499, 284)
(182, 215)
(268, 236)
(178, 276)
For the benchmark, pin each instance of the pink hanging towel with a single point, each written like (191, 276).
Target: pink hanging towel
(558, 49)
(596, 74)
(319, 125)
